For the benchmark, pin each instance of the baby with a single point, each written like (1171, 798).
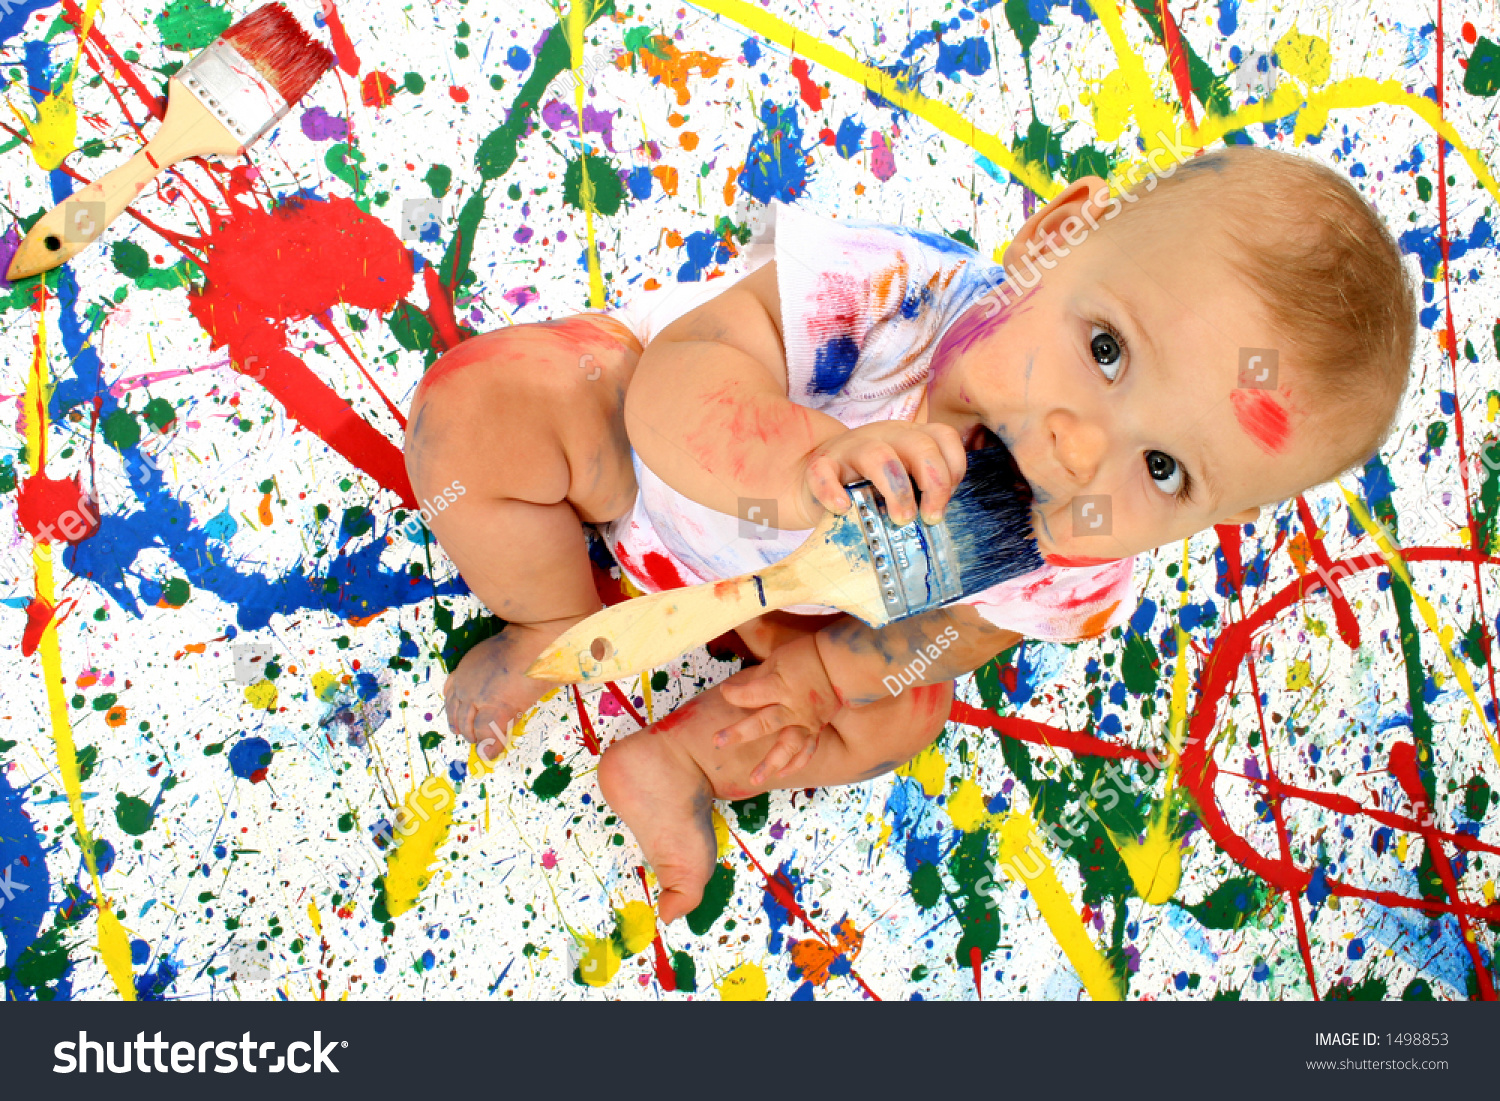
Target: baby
(1209, 342)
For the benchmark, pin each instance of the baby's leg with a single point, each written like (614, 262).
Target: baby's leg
(662, 781)
(524, 428)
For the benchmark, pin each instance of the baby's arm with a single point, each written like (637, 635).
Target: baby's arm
(930, 648)
(707, 409)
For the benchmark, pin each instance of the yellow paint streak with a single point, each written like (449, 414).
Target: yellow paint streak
(1155, 862)
(262, 694)
(940, 115)
(721, 833)
(600, 960)
(409, 865)
(966, 808)
(1444, 635)
(1021, 848)
(1127, 92)
(575, 24)
(113, 943)
(54, 134)
(637, 925)
(325, 685)
(314, 917)
(928, 768)
(746, 983)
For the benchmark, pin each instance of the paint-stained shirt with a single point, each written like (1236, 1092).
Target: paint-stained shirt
(863, 309)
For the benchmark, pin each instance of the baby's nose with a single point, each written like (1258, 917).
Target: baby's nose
(1079, 446)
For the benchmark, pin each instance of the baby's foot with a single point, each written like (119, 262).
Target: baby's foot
(663, 797)
(490, 688)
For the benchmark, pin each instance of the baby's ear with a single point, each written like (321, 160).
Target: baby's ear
(1068, 203)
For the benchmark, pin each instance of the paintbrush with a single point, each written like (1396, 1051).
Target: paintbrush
(857, 561)
(232, 93)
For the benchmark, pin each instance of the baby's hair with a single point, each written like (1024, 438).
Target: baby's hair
(1329, 274)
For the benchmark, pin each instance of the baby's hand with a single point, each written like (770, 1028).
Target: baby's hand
(794, 698)
(884, 452)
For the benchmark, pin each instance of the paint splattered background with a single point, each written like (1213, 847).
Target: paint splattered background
(226, 680)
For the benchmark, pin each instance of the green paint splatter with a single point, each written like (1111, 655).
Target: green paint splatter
(8, 483)
(88, 758)
(1418, 990)
(343, 160)
(753, 813)
(686, 972)
(43, 961)
(1234, 903)
(160, 414)
(1477, 798)
(1140, 665)
(715, 898)
(1482, 77)
(130, 259)
(176, 591)
(1370, 989)
(553, 779)
(188, 25)
(926, 885)
(438, 178)
(609, 192)
(414, 83)
(133, 815)
(121, 430)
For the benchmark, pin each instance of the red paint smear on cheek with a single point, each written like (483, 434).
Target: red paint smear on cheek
(264, 268)
(348, 59)
(1262, 417)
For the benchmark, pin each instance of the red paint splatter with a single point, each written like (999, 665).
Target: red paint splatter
(664, 973)
(1262, 417)
(458, 94)
(1176, 59)
(56, 510)
(624, 702)
(1343, 615)
(348, 59)
(976, 961)
(657, 568)
(827, 136)
(590, 739)
(38, 615)
(812, 94)
(376, 89)
(440, 310)
(1470, 34)
(1076, 560)
(264, 268)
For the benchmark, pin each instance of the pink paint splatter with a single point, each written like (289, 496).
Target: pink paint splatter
(882, 157)
(1262, 417)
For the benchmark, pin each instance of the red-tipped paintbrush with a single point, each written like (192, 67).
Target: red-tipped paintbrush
(230, 94)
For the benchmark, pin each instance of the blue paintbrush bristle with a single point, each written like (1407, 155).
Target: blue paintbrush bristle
(989, 518)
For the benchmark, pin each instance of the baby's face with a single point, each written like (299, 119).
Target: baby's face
(1126, 384)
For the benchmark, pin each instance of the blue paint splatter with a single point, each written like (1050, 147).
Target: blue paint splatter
(774, 166)
(250, 759)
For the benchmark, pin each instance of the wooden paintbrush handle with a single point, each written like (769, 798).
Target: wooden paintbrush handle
(829, 567)
(190, 130)
(648, 631)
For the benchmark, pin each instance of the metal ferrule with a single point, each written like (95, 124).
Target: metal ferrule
(917, 565)
(233, 89)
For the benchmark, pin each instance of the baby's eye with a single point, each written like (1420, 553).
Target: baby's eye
(1105, 347)
(1164, 471)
